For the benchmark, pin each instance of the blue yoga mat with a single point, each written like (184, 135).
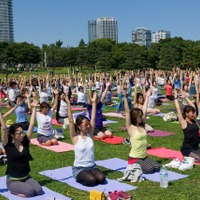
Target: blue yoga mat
(34, 130)
(48, 194)
(118, 164)
(65, 175)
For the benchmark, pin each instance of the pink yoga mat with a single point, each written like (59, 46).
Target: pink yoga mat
(113, 114)
(61, 147)
(54, 121)
(112, 140)
(78, 108)
(167, 153)
(159, 133)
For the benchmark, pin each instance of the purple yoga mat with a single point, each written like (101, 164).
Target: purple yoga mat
(118, 164)
(109, 122)
(48, 194)
(65, 175)
(159, 133)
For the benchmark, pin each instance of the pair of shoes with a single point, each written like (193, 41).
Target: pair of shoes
(113, 196)
(174, 163)
(119, 195)
(127, 141)
(58, 133)
(187, 163)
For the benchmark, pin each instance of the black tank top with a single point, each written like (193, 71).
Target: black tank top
(191, 135)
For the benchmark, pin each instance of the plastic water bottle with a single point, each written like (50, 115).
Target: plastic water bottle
(163, 177)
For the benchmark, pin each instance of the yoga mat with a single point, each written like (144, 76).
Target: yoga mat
(112, 140)
(113, 114)
(65, 175)
(158, 114)
(54, 121)
(109, 122)
(159, 133)
(78, 108)
(34, 130)
(118, 164)
(61, 147)
(48, 194)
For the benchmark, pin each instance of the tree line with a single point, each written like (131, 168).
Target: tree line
(105, 54)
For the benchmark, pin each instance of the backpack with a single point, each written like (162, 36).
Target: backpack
(133, 173)
(170, 117)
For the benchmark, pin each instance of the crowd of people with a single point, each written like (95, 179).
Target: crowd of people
(138, 94)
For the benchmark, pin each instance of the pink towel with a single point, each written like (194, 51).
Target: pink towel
(61, 147)
(78, 108)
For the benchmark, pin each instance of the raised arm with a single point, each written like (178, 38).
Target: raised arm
(181, 120)
(93, 114)
(32, 120)
(4, 134)
(127, 110)
(55, 103)
(71, 121)
(144, 108)
(105, 91)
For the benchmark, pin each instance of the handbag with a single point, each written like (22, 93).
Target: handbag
(97, 195)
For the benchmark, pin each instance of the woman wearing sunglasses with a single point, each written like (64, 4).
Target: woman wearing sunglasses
(81, 133)
(135, 124)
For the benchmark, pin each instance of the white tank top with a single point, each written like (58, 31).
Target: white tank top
(84, 152)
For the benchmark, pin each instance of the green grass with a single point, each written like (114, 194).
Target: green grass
(184, 189)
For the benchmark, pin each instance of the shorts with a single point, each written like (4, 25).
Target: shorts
(43, 139)
(99, 129)
(77, 170)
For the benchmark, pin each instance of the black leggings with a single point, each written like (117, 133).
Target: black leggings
(91, 177)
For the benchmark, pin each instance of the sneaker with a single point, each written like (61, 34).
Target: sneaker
(174, 163)
(127, 141)
(124, 195)
(113, 196)
(186, 164)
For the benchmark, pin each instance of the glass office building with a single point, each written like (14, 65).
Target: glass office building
(103, 27)
(6, 21)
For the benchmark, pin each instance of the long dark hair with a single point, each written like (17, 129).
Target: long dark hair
(79, 121)
(134, 114)
(188, 109)
(12, 130)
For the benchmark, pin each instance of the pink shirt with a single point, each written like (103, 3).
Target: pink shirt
(168, 90)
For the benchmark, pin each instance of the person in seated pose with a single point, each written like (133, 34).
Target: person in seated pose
(190, 145)
(100, 131)
(135, 124)
(44, 120)
(16, 145)
(81, 133)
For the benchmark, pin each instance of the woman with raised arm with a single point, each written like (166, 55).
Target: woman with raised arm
(190, 145)
(135, 124)
(81, 133)
(44, 120)
(16, 145)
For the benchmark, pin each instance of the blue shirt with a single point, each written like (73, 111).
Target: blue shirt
(21, 113)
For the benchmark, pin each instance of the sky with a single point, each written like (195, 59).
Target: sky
(47, 21)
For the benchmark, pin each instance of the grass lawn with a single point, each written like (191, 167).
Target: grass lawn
(184, 189)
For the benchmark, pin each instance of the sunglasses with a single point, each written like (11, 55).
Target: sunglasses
(85, 125)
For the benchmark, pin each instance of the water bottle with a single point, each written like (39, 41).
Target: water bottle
(163, 177)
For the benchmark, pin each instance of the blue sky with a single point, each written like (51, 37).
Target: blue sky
(46, 21)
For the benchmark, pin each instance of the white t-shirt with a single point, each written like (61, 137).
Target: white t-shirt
(45, 123)
(12, 93)
(44, 97)
(81, 97)
(63, 109)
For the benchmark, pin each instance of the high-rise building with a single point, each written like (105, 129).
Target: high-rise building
(103, 27)
(6, 21)
(92, 30)
(156, 36)
(141, 36)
